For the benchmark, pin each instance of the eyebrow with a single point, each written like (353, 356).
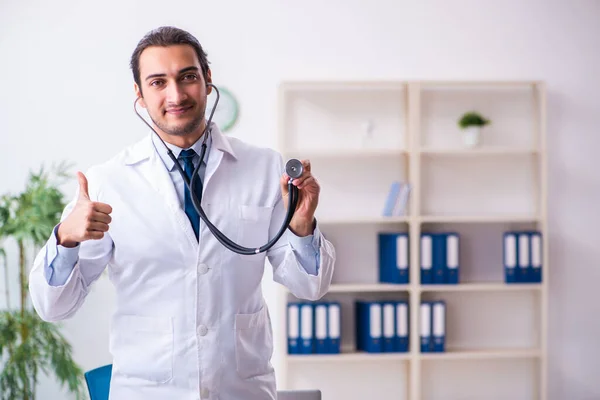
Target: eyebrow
(184, 70)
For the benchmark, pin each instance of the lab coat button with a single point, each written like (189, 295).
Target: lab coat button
(202, 330)
(202, 269)
(204, 393)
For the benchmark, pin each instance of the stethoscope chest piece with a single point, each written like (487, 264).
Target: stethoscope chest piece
(294, 168)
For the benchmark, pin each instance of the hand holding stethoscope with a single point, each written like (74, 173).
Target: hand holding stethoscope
(302, 223)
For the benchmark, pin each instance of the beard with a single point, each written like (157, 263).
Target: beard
(179, 130)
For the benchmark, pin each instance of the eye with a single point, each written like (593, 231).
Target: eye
(190, 77)
(156, 83)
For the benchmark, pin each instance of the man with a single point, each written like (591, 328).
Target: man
(190, 319)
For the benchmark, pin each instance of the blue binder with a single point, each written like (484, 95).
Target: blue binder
(321, 328)
(293, 328)
(510, 257)
(438, 325)
(425, 327)
(393, 258)
(438, 259)
(452, 261)
(389, 326)
(307, 329)
(334, 328)
(402, 327)
(536, 257)
(523, 257)
(369, 326)
(426, 258)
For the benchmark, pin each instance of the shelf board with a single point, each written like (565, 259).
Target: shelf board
(478, 84)
(344, 153)
(479, 218)
(348, 357)
(482, 287)
(342, 86)
(363, 220)
(366, 287)
(479, 354)
(481, 151)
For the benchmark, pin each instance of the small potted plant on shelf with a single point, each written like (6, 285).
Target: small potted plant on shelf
(471, 123)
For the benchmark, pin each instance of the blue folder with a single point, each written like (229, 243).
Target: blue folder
(369, 327)
(510, 257)
(438, 326)
(426, 257)
(393, 257)
(293, 328)
(307, 329)
(402, 327)
(425, 331)
(334, 327)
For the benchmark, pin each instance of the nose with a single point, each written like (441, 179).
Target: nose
(175, 94)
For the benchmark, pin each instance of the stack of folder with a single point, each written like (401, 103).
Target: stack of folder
(314, 328)
(393, 258)
(382, 326)
(433, 326)
(522, 257)
(440, 258)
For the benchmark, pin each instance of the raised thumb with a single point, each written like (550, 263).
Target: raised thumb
(83, 186)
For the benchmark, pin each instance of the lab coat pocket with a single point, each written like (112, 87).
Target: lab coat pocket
(142, 347)
(254, 225)
(253, 344)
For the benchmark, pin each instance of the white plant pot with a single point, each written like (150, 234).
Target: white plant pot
(471, 136)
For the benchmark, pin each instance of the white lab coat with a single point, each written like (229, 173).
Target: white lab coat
(190, 320)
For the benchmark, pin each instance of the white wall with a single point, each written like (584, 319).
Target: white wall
(66, 93)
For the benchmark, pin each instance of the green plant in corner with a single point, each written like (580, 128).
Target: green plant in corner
(29, 345)
(472, 118)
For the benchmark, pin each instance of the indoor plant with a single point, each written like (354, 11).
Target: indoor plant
(471, 123)
(29, 345)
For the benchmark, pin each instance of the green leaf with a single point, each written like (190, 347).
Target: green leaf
(472, 118)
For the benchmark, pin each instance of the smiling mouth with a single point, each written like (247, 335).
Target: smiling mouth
(179, 110)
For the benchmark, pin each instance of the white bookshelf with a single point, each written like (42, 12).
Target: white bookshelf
(496, 333)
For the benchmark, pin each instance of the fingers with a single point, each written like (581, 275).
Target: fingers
(97, 226)
(306, 164)
(307, 182)
(102, 207)
(101, 217)
(300, 181)
(83, 186)
(95, 235)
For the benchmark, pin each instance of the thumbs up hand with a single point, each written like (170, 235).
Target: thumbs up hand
(88, 219)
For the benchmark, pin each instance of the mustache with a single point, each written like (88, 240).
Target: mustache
(179, 106)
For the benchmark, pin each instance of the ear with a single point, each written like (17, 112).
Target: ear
(208, 80)
(138, 93)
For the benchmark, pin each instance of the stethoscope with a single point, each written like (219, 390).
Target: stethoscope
(293, 168)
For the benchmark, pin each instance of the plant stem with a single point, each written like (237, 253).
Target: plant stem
(22, 276)
(6, 285)
(24, 332)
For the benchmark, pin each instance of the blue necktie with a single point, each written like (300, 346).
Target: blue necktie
(188, 167)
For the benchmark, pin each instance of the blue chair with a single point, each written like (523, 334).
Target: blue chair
(98, 382)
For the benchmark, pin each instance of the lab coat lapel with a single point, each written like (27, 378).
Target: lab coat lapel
(220, 145)
(155, 173)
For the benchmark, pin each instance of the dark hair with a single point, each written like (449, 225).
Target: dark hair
(166, 36)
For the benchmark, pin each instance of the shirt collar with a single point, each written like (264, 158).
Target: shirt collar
(164, 155)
